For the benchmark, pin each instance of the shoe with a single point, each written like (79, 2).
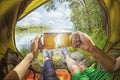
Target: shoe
(64, 52)
(48, 54)
(45, 53)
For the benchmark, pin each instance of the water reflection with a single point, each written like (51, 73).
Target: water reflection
(23, 40)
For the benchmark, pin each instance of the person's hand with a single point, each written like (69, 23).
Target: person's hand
(83, 41)
(36, 45)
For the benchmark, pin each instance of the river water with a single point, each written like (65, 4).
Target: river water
(23, 40)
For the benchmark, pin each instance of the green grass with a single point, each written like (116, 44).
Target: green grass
(24, 51)
(99, 38)
(30, 29)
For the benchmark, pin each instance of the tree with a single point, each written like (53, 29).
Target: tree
(86, 17)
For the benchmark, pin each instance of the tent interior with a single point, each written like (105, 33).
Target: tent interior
(17, 9)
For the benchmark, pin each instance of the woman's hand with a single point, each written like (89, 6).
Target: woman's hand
(36, 45)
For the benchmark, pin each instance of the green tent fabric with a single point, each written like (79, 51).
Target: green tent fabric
(10, 12)
(33, 5)
(111, 14)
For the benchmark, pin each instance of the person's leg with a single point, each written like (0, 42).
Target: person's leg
(75, 69)
(48, 72)
(72, 65)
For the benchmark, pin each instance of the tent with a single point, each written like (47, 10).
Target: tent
(111, 12)
(13, 10)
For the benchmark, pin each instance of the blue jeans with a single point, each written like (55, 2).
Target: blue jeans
(48, 72)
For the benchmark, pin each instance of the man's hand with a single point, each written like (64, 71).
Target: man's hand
(83, 41)
(36, 45)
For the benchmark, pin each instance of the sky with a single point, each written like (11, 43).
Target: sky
(59, 18)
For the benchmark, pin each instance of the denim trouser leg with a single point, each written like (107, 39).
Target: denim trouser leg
(48, 72)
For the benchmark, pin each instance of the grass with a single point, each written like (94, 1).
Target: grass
(30, 29)
(99, 38)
